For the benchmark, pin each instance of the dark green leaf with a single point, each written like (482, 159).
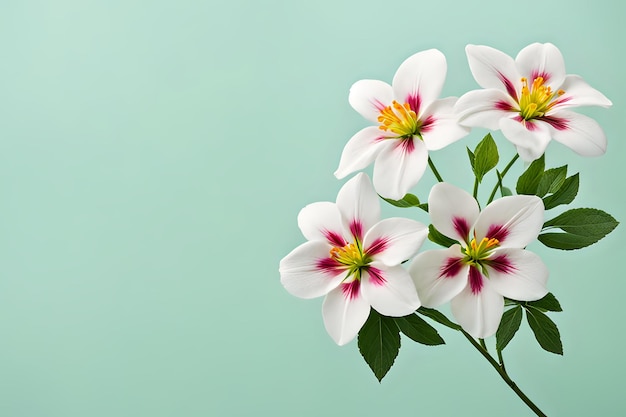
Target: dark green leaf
(472, 158)
(435, 236)
(509, 325)
(564, 195)
(565, 241)
(408, 200)
(551, 180)
(547, 303)
(379, 343)
(418, 330)
(485, 157)
(546, 332)
(438, 317)
(529, 180)
(582, 227)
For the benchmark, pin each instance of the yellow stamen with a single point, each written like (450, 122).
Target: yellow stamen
(537, 99)
(399, 119)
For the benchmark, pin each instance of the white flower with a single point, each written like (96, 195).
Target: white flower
(489, 261)
(530, 98)
(410, 122)
(354, 259)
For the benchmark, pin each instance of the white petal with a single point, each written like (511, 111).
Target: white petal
(514, 220)
(479, 314)
(533, 136)
(420, 78)
(544, 60)
(439, 275)
(579, 93)
(493, 69)
(361, 150)
(307, 271)
(390, 290)
(518, 274)
(322, 221)
(369, 97)
(484, 108)
(580, 133)
(443, 128)
(399, 167)
(359, 205)
(393, 241)
(344, 315)
(452, 211)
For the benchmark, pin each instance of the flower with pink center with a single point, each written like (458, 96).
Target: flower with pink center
(354, 259)
(489, 261)
(410, 121)
(529, 99)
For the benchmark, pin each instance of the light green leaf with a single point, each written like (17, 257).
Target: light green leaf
(551, 180)
(409, 200)
(437, 237)
(582, 227)
(418, 330)
(379, 343)
(511, 320)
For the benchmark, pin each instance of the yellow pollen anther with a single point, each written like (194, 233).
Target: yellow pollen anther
(399, 119)
(536, 100)
(350, 254)
(478, 251)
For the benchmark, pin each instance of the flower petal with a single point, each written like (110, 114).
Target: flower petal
(443, 128)
(361, 150)
(344, 313)
(580, 133)
(369, 97)
(533, 136)
(393, 241)
(322, 221)
(399, 167)
(485, 108)
(478, 313)
(518, 274)
(309, 272)
(452, 211)
(390, 290)
(493, 69)
(359, 206)
(439, 275)
(579, 93)
(542, 60)
(420, 78)
(514, 220)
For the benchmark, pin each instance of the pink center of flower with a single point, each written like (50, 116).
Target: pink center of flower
(535, 100)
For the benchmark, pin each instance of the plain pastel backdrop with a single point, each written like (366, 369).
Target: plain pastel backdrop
(154, 156)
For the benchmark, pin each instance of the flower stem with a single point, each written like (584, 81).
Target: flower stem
(475, 188)
(500, 369)
(499, 184)
(432, 167)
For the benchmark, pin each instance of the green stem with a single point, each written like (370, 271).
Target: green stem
(499, 184)
(432, 167)
(483, 345)
(501, 359)
(500, 369)
(476, 188)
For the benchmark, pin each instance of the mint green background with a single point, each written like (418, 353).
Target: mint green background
(154, 156)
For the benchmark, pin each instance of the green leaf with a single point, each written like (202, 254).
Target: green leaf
(505, 191)
(511, 320)
(582, 227)
(551, 180)
(529, 180)
(485, 157)
(565, 194)
(418, 330)
(408, 200)
(437, 237)
(379, 343)
(547, 303)
(438, 317)
(472, 158)
(546, 332)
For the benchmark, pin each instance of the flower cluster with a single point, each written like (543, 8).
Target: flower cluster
(356, 260)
